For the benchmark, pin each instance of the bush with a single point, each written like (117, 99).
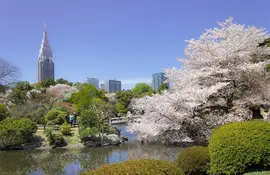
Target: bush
(87, 132)
(138, 167)
(48, 132)
(3, 112)
(88, 118)
(56, 117)
(65, 129)
(194, 160)
(55, 139)
(235, 147)
(15, 132)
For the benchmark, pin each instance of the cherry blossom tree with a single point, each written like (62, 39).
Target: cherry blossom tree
(63, 91)
(217, 61)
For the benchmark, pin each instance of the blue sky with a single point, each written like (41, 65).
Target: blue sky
(128, 40)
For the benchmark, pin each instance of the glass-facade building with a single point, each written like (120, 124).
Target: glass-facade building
(157, 80)
(93, 81)
(112, 85)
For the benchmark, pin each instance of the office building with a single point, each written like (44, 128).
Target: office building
(45, 59)
(93, 81)
(157, 80)
(102, 86)
(112, 85)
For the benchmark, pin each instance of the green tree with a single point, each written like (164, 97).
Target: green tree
(162, 87)
(83, 99)
(56, 117)
(3, 112)
(123, 99)
(142, 89)
(120, 108)
(63, 81)
(18, 94)
(47, 83)
(103, 111)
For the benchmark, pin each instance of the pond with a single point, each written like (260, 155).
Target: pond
(73, 161)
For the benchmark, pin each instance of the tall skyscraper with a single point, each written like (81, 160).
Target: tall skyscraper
(45, 61)
(93, 81)
(112, 85)
(157, 80)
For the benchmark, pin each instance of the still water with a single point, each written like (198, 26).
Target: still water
(74, 161)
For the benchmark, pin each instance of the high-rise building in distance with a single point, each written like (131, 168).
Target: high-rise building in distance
(102, 86)
(45, 61)
(157, 80)
(93, 81)
(112, 85)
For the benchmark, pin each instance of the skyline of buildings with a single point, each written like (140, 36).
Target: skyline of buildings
(45, 59)
(46, 69)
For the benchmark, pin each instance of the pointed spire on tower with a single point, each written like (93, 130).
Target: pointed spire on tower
(45, 49)
(44, 26)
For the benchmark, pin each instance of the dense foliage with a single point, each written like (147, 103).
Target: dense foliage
(142, 89)
(194, 160)
(87, 132)
(163, 87)
(56, 117)
(123, 99)
(15, 132)
(235, 147)
(3, 112)
(65, 129)
(55, 139)
(138, 167)
(84, 98)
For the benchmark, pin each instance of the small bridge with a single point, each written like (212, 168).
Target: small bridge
(121, 120)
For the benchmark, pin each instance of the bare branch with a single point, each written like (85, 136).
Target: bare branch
(8, 72)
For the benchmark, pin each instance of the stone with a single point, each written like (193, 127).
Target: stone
(112, 139)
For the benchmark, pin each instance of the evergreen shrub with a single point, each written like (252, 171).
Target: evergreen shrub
(236, 147)
(194, 160)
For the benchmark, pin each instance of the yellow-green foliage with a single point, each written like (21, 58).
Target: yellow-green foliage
(14, 132)
(55, 117)
(235, 147)
(194, 160)
(267, 67)
(138, 167)
(3, 111)
(65, 129)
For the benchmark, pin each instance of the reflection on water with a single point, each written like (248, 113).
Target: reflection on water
(73, 161)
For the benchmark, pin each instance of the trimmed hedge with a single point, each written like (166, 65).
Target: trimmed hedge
(194, 160)
(138, 167)
(235, 147)
(16, 131)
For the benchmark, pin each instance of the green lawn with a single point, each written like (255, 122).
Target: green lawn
(259, 173)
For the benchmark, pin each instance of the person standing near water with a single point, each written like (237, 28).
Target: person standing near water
(74, 119)
(71, 119)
